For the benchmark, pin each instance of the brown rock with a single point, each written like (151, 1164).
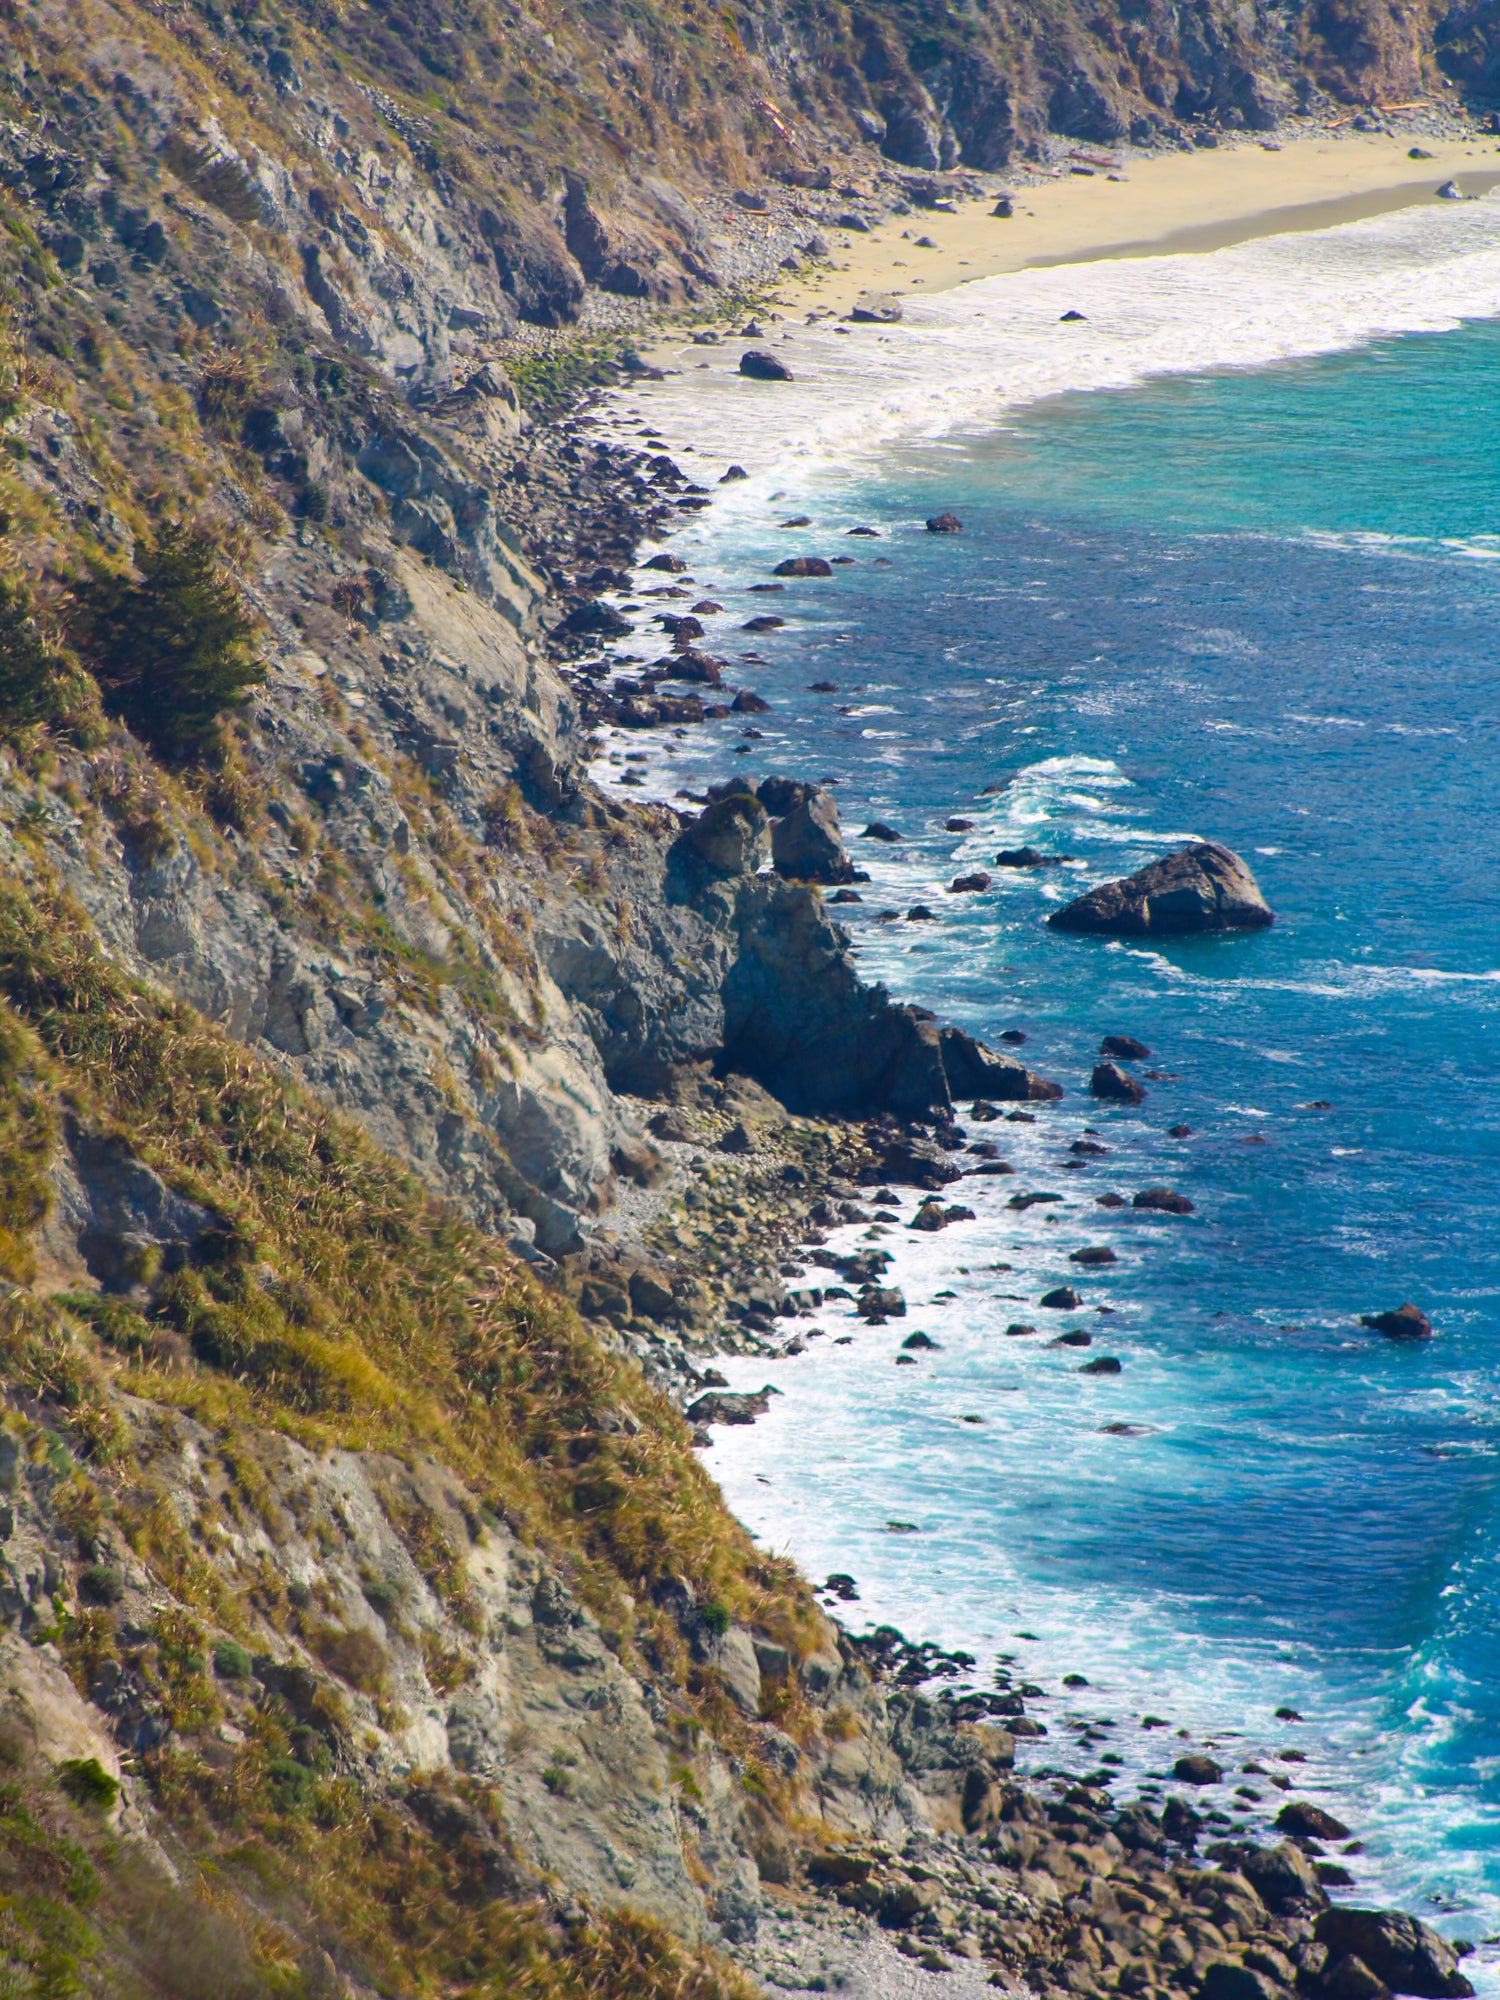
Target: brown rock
(1204, 887)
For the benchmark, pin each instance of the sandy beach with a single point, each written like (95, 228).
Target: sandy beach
(1174, 201)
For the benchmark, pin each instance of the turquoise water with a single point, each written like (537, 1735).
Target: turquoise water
(1259, 607)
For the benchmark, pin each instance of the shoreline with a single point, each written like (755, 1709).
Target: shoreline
(1158, 205)
(828, 1181)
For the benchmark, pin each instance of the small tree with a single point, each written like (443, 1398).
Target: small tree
(171, 652)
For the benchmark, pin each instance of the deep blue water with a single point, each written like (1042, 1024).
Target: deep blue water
(1262, 608)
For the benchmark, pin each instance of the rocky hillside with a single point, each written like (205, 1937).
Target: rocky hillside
(368, 1622)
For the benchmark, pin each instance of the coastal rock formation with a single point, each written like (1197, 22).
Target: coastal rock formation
(763, 366)
(1203, 887)
(1404, 1322)
(807, 845)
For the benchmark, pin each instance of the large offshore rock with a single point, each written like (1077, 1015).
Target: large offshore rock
(1204, 887)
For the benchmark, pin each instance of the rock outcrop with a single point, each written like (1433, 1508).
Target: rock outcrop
(1204, 887)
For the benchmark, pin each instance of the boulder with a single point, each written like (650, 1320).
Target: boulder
(724, 1406)
(1283, 1878)
(1405, 1322)
(807, 846)
(1228, 1979)
(1405, 1954)
(691, 665)
(1196, 1769)
(673, 565)
(1349, 1978)
(976, 1071)
(780, 796)
(762, 366)
(1123, 1048)
(732, 836)
(944, 524)
(1110, 1081)
(803, 566)
(1203, 887)
(1023, 857)
(967, 885)
(592, 619)
(879, 308)
(1062, 1298)
(1166, 1201)
(1299, 1818)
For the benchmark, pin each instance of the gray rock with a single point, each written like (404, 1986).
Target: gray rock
(1228, 1979)
(732, 836)
(1204, 887)
(1283, 1878)
(1110, 1082)
(808, 846)
(973, 1071)
(733, 1656)
(879, 308)
(1405, 1954)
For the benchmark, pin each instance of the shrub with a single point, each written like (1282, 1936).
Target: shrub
(99, 1583)
(86, 1781)
(232, 1661)
(37, 682)
(171, 650)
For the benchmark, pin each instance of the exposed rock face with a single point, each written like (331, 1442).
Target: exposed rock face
(1405, 1954)
(1204, 887)
(808, 846)
(733, 837)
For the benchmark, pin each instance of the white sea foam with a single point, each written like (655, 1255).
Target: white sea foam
(962, 359)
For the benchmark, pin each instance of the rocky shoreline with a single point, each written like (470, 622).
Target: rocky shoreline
(967, 1875)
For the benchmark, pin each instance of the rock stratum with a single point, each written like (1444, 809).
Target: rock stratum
(369, 1625)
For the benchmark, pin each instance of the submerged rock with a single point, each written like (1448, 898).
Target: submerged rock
(1204, 887)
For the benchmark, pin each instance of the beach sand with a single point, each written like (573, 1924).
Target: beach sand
(1176, 201)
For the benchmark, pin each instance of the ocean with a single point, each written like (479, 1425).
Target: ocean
(1228, 569)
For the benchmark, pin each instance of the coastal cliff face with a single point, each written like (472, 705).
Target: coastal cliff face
(368, 1622)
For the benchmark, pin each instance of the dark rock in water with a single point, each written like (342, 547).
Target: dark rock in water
(964, 885)
(1023, 857)
(731, 837)
(920, 914)
(921, 1340)
(878, 308)
(1166, 1201)
(1109, 1201)
(958, 826)
(1074, 1337)
(673, 565)
(917, 1162)
(1015, 1036)
(682, 628)
(1451, 191)
(807, 845)
(747, 702)
(691, 665)
(1071, 314)
(803, 566)
(929, 1217)
(1333, 1876)
(1405, 1322)
(734, 472)
(763, 366)
(878, 830)
(975, 1071)
(1405, 1954)
(1179, 1131)
(1180, 1823)
(1123, 1048)
(1017, 1328)
(881, 1302)
(723, 1407)
(1105, 1365)
(1197, 1769)
(1283, 1878)
(595, 619)
(1062, 1298)
(1110, 1081)
(1297, 1817)
(945, 524)
(1204, 887)
(765, 621)
(1094, 1255)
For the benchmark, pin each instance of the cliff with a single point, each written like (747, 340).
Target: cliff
(369, 1625)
